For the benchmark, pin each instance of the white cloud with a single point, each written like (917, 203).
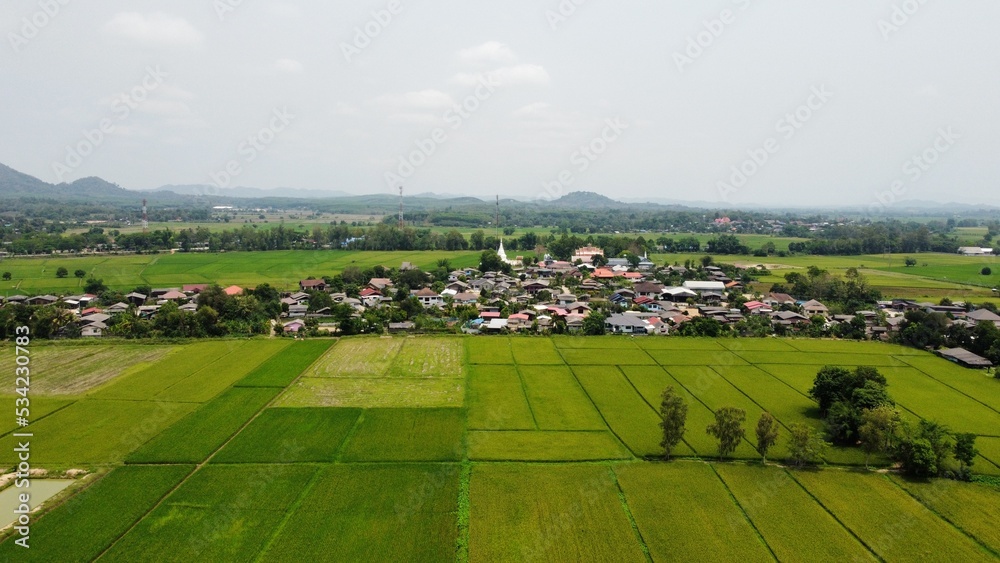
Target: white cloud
(505, 76)
(489, 52)
(154, 29)
(290, 66)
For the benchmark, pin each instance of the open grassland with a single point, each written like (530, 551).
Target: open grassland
(72, 370)
(574, 515)
(281, 269)
(515, 458)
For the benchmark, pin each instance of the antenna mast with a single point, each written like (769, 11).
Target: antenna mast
(145, 217)
(400, 207)
(497, 223)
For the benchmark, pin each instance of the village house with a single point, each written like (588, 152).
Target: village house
(312, 285)
(429, 298)
(814, 308)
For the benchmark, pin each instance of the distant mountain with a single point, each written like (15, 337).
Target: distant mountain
(254, 193)
(587, 200)
(15, 185)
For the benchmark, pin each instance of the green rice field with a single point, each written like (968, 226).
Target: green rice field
(482, 449)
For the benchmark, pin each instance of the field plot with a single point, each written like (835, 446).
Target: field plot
(373, 393)
(282, 368)
(290, 436)
(852, 347)
(88, 523)
(757, 345)
(73, 370)
(931, 399)
(222, 513)
(973, 508)
(361, 357)
(820, 358)
(220, 375)
(41, 407)
(558, 401)
(535, 351)
(496, 399)
(696, 358)
(989, 448)
(358, 512)
(196, 436)
(574, 515)
(541, 445)
(429, 357)
(890, 522)
(628, 356)
(485, 350)
(96, 432)
(629, 416)
(407, 435)
(651, 382)
(685, 344)
(974, 383)
(794, 525)
(195, 363)
(621, 343)
(685, 513)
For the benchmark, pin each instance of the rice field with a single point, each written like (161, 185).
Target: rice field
(485, 449)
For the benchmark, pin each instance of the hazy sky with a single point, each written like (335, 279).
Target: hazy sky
(522, 98)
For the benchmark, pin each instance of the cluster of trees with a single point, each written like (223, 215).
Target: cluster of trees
(878, 238)
(847, 295)
(857, 411)
(924, 330)
(804, 444)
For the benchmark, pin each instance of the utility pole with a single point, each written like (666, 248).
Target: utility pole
(145, 217)
(497, 223)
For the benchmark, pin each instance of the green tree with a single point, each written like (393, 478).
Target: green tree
(80, 274)
(728, 429)
(94, 286)
(61, 272)
(917, 458)
(7, 276)
(965, 450)
(877, 431)
(910, 262)
(987, 271)
(593, 324)
(805, 445)
(767, 434)
(673, 411)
